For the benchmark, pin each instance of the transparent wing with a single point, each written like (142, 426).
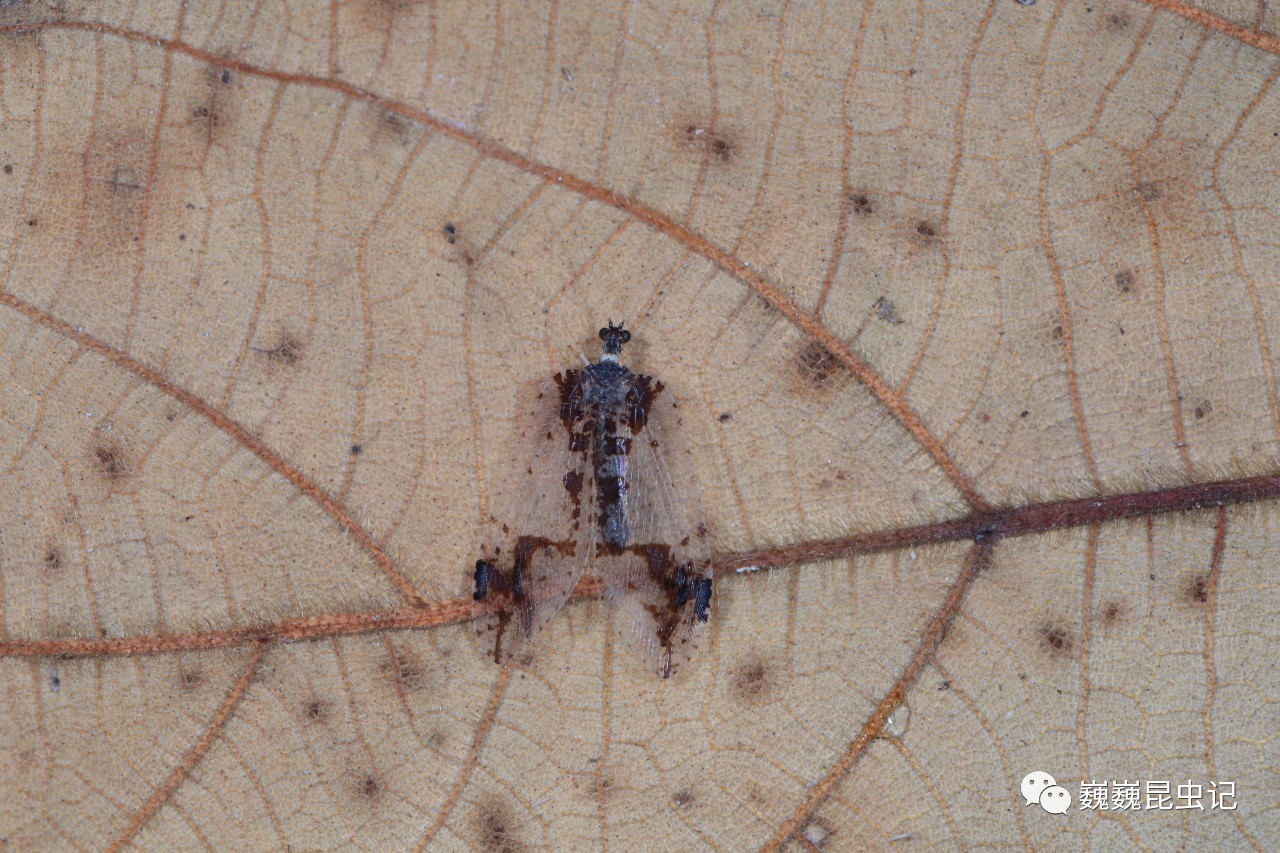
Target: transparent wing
(539, 537)
(659, 584)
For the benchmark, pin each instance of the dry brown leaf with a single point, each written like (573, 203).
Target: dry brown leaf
(971, 308)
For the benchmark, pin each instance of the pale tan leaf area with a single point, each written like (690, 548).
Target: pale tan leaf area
(971, 307)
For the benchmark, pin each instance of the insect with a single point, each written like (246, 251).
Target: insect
(605, 481)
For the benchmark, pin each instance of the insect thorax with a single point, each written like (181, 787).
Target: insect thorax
(608, 375)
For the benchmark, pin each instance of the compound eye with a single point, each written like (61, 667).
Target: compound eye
(603, 333)
(626, 336)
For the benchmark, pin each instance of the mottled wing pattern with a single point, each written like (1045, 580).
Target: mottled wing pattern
(539, 535)
(660, 583)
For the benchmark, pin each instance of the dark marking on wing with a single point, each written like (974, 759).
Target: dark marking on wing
(571, 404)
(639, 402)
(573, 481)
(505, 593)
(679, 586)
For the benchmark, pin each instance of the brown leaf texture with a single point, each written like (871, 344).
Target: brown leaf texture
(971, 310)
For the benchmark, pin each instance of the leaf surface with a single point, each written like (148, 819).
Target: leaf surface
(972, 316)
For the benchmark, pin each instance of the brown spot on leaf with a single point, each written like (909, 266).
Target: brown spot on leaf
(192, 679)
(1148, 191)
(887, 311)
(818, 367)
(286, 351)
(404, 668)
(111, 461)
(1126, 280)
(754, 681)
(682, 798)
(718, 145)
(212, 113)
(725, 417)
(603, 786)
(1049, 329)
(721, 148)
(1196, 589)
(1056, 640)
(28, 759)
(1117, 21)
(495, 828)
(1203, 409)
(52, 556)
(862, 204)
(8, 169)
(370, 786)
(316, 709)
(1160, 183)
(123, 191)
(1112, 612)
(118, 190)
(926, 230)
(397, 128)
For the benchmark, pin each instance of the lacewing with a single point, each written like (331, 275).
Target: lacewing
(606, 480)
